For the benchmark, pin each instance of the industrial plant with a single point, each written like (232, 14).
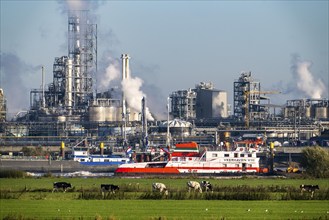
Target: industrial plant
(68, 111)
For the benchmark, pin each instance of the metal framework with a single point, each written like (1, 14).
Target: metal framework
(183, 104)
(73, 87)
(82, 50)
(246, 103)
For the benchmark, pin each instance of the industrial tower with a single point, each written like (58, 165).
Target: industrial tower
(73, 86)
(246, 98)
(82, 50)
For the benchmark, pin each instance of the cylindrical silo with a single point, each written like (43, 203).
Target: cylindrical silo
(321, 112)
(96, 113)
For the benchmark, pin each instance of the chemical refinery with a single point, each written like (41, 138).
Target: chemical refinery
(69, 111)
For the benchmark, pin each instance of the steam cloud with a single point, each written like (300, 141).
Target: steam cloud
(131, 86)
(305, 81)
(15, 77)
(64, 6)
(134, 95)
(112, 73)
(218, 106)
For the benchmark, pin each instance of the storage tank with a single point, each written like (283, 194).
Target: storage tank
(308, 112)
(112, 114)
(177, 127)
(97, 113)
(102, 114)
(321, 112)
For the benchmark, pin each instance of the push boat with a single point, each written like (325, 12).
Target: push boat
(186, 158)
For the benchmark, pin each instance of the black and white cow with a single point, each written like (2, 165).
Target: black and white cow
(61, 185)
(206, 185)
(109, 188)
(194, 185)
(308, 188)
(160, 187)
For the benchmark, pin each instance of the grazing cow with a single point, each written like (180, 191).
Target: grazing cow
(109, 188)
(160, 187)
(194, 185)
(61, 185)
(309, 188)
(206, 185)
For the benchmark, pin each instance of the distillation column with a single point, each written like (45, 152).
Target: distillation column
(82, 50)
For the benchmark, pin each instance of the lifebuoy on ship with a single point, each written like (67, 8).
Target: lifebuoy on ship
(241, 148)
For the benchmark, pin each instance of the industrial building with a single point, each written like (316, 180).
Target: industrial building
(183, 104)
(307, 109)
(202, 102)
(250, 103)
(73, 86)
(210, 103)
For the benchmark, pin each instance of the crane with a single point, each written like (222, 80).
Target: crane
(247, 100)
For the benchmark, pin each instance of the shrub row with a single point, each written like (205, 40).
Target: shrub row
(12, 174)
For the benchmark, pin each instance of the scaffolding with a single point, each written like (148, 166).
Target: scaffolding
(82, 50)
(183, 104)
(246, 104)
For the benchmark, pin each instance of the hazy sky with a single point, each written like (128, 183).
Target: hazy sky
(174, 45)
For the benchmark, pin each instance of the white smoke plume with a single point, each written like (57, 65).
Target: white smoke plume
(72, 5)
(218, 108)
(131, 86)
(305, 81)
(132, 89)
(112, 73)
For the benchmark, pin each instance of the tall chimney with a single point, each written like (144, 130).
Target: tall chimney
(125, 75)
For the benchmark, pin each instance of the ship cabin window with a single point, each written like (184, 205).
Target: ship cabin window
(241, 155)
(237, 165)
(250, 165)
(226, 155)
(156, 165)
(225, 165)
(249, 155)
(214, 155)
(82, 160)
(235, 154)
(106, 160)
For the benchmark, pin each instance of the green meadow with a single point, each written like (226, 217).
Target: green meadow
(243, 198)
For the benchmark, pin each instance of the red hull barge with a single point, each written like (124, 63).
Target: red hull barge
(186, 159)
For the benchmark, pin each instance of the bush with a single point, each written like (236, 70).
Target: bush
(12, 174)
(316, 162)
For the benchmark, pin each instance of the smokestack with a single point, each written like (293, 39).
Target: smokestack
(125, 66)
(125, 75)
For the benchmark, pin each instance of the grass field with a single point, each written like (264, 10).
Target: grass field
(31, 198)
(163, 209)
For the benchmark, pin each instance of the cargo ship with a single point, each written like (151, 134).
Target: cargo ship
(186, 158)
